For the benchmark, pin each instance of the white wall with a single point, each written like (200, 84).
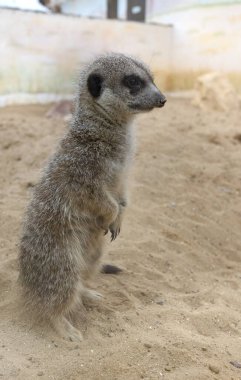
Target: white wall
(31, 5)
(210, 37)
(86, 8)
(43, 52)
(205, 39)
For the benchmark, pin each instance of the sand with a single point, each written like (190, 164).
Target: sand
(175, 311)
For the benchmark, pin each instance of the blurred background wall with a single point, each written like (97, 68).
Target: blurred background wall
(41, 51)
(206, 37)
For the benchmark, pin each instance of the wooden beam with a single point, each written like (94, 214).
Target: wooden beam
(112, 6)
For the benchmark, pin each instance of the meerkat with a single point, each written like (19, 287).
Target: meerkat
(83, 192)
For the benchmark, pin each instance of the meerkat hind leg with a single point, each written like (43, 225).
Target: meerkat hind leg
(66, 330)
(91, 294)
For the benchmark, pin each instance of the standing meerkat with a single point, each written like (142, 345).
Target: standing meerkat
(82, 193)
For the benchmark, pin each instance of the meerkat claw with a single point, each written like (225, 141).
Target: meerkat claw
(114, 233)
(112, 236)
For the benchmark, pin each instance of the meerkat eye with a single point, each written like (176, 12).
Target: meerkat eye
(134, 83)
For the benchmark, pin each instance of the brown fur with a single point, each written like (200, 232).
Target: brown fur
(82, 193)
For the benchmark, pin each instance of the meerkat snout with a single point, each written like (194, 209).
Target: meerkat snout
(159, 99)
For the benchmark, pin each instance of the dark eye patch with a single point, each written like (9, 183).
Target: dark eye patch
(94, 84)
(134, 83)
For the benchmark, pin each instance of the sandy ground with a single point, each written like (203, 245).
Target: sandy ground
(175, 311)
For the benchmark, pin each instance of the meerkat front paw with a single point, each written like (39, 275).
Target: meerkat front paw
(115, 228)
(100, 222)
(105, 222)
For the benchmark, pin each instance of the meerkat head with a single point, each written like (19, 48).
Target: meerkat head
(120, 84)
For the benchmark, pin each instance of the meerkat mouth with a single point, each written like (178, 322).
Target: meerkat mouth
(140, 108)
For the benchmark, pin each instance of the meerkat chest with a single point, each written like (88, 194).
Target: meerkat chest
(118, 165)
(123, 155)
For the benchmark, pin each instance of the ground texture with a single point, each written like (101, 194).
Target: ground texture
(175, 311)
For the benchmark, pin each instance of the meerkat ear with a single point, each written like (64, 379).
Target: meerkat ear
(94, 84)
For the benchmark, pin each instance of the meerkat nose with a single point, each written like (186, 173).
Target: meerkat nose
(161, 100)
(158, 98)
